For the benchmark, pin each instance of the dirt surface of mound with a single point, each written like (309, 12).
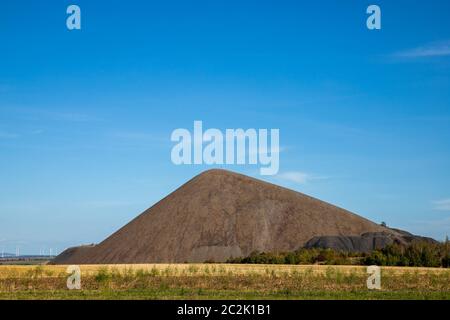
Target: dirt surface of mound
(218, 215)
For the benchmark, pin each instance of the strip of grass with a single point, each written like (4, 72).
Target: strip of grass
(180, 294)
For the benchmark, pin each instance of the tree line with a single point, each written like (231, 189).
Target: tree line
(416, 254)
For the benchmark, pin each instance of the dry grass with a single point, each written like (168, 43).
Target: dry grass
(194, 269)
(222, 280)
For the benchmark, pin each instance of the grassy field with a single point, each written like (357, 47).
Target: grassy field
(222, 281)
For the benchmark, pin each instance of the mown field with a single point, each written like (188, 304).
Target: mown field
(222, 281)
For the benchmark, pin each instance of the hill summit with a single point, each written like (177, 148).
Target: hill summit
(220, 214)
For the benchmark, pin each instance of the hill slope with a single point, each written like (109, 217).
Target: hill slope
(218, 215)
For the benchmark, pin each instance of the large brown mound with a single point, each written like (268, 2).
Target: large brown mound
(218, 215)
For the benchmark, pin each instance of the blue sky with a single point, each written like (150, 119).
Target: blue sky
(86, 116)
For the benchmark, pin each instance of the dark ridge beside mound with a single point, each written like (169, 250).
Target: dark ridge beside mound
(366, 242)
(220, 214)
(409, 237)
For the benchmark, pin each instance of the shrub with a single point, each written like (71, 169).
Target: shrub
(416, 254)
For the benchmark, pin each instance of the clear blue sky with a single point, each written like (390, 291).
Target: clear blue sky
(86, 116)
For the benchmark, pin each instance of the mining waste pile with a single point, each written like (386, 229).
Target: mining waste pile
(219, 215)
